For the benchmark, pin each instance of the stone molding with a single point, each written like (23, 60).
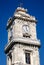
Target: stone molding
(25, 41)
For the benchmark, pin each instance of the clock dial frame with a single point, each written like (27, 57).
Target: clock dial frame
(26, 28)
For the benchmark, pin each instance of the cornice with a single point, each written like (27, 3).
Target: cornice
(24, 41)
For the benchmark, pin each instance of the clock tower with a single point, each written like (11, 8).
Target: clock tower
(23, 45)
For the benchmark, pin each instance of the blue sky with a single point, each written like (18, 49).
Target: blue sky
(7, 9)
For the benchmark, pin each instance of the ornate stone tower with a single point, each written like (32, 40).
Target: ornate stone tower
(23, 45)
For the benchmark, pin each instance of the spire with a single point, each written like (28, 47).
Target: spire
(20, 3)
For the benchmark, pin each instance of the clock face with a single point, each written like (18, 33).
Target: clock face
(26, 28)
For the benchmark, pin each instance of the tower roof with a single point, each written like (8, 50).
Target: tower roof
(21, 9)
(22, 14)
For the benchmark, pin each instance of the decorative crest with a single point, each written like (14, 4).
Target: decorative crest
(20, 3)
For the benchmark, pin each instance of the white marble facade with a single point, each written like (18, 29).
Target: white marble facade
(22, 38)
